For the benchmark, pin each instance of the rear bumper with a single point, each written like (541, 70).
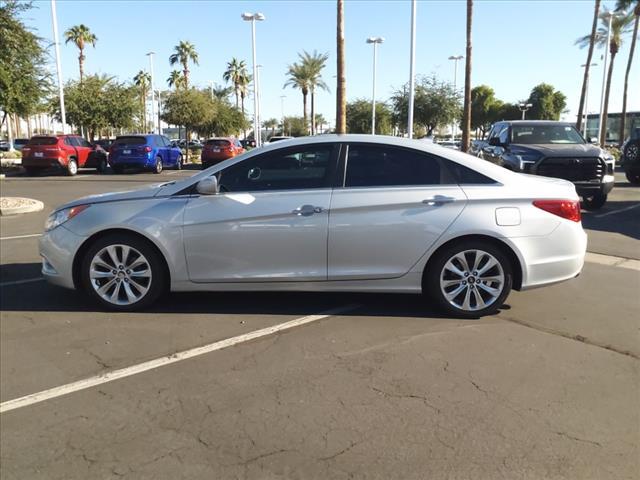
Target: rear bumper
(37, 162)
(553, 258)
(131, 162)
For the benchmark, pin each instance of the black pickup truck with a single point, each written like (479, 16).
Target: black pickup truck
(551, 149)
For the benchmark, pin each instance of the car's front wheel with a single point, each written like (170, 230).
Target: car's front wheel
(469, 279)
(594, 202)
(179, 163)
(123, 272)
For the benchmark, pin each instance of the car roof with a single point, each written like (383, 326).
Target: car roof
(526, 123)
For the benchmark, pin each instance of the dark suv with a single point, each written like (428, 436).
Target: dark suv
(631, 157)
(552, 149)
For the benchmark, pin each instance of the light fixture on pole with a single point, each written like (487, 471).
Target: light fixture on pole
(56, 42)
(610, 15)
(455, 59)
(153, 95)
(523, 107)
(282, 97)
(412, 66)
(375, 41)
(586, 100)
(253, 17)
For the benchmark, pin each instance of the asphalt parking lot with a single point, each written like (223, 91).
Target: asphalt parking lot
(355, 386)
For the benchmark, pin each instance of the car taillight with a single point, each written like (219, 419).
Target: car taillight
(569, 209)
(147, 149)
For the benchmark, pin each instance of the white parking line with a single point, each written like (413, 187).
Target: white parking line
(163, 361)
(21, 236)
(613, 212)
(612, 261)
(20, 282)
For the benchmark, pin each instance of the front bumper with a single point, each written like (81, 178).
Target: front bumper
(590, 188)
(58, 248)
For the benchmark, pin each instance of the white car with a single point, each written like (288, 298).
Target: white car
(333, 213)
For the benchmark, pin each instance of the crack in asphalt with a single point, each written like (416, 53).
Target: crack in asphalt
(570, 336)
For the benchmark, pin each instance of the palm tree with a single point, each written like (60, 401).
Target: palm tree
(620, 26)
(320, 120)
(222, 93)
(313, 64)
(175, 79)
(624, 5)
(466, 113)
(80, 36)
(185, 52)
(585, 79)
(272, 123)
(236, 73)
(142, 81)
(299, 77)
(341, 89)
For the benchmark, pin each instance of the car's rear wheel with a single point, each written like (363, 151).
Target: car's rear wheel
(633, 178)
(594, 202)
(72, 167)
(158, 165)
(102, 165)
(469, 279)
(123, 272)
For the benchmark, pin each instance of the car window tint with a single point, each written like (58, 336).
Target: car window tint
(126, 141)
(217, 143)
(67, 141)
(167, 142)
(43, 141)
(466, 176)
(503, 134)
(381, 166)
(301, 168)
(83, 143)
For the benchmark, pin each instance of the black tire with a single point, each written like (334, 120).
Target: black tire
(158, 166)
(436, 268)
(633, 179)
(158, 282)
(32, 171)
(102, 165)
(117, 169)
(594, 202)
(72, 167)
(179, 163)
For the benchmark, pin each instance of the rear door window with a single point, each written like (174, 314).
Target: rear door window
(385, 166)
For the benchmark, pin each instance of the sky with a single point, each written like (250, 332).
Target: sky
(517, 44)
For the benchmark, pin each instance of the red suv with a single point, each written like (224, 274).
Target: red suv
(68, 152)
(216, 150)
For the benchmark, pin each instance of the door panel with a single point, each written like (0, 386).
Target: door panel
(382, 232)
(244, 237)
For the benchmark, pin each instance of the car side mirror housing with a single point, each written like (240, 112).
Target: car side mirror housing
(208, 186)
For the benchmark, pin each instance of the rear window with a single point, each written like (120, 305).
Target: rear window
(467, 176)
(122, 141)
(21, 141)
(43, 141)
(218, 143)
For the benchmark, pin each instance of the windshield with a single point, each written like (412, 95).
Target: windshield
(551, 134)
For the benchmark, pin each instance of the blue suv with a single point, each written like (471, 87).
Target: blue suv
(145, 152)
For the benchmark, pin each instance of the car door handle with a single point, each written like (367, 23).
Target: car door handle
(306, 210)
(438, 200)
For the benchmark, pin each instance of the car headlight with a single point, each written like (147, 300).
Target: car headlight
(61, 216)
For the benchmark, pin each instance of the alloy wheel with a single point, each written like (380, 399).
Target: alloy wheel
(472, 280)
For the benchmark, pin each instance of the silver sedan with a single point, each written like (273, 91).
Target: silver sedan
(330, 213)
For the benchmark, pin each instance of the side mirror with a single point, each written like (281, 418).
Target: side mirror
(495, 142)
(593, 140)
(208, 186)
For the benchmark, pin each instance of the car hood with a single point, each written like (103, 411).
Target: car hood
(148, 191)
(560, 150)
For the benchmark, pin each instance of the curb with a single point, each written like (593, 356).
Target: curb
(31, 206)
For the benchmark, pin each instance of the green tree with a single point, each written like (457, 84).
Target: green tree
(175, 79)
(620, 26)
(24, 81)
(225, 120)
(299, 78)
(184, 53)
(485, 108)
(222, 93)
(436, 104)
(142, 80)
(585, 77)
(359, 117)
(313, 64)
(80, 36)
(320, 121)
(190, 108)
(97, 103)
(296, 126)
(622, 6)
(547, 103)
(236, 73)
(271, 123)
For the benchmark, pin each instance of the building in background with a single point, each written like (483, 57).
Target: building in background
(613, 125)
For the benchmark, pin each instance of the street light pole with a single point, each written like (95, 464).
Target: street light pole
(524, 107)
(282, 97)
(586, 100)
(153, 94)
(375, 41)
(56, 42)
(455, 59)
(258, 69)
(159, 112)
(609, 14)
(412, 66)
(253, 17)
